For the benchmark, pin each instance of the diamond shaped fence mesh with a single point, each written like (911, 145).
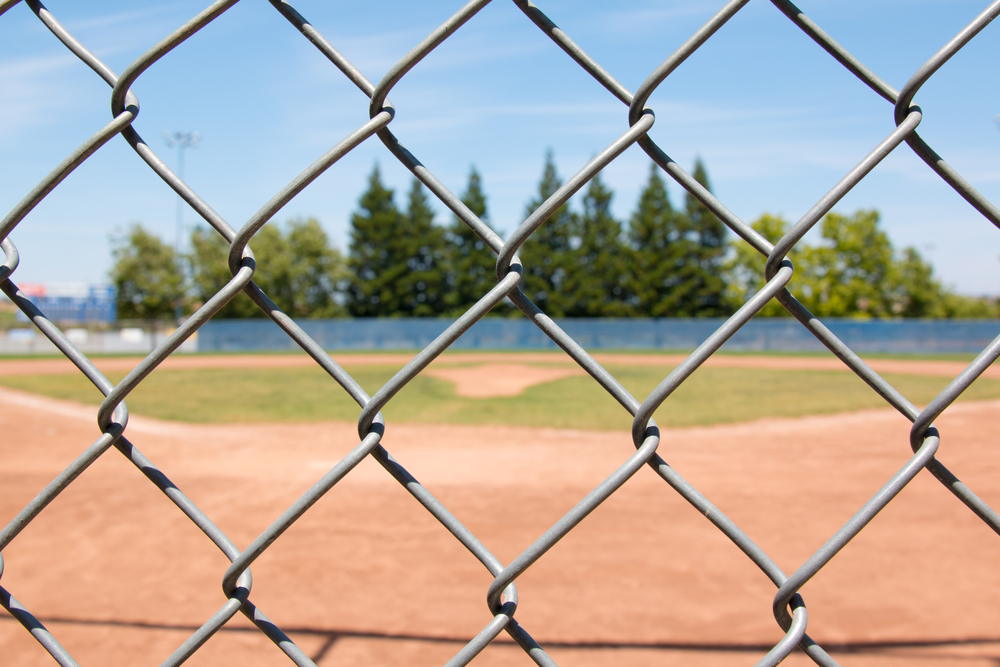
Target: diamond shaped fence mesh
(501, 617)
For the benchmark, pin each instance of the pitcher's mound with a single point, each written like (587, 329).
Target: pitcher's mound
(489, 380)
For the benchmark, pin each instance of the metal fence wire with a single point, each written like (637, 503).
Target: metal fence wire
(789, 608)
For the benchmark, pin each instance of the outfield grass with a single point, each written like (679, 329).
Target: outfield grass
(710, 396)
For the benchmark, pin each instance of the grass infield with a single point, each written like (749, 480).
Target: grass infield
(710, 396)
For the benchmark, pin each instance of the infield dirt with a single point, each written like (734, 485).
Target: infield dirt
(121, 577)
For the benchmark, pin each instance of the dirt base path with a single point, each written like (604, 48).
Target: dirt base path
(367, 577)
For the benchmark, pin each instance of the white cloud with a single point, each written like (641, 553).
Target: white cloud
(118, 19)
(30, 90)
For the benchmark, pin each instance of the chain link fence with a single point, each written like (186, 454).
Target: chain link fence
(789, 608)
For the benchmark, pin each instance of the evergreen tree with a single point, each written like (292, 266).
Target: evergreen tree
(595, 281)
(547, 253)
(709, 233)
(421, 245)
(472, 263)
(376, 268)
(396, 257)
(660, 281)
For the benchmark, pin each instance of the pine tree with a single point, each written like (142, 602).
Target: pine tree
(709, 233)
(660, 281)
(546, 254)
(396, 257)
(472, 263)
(595, 282)
(421, 288)
(375, 265)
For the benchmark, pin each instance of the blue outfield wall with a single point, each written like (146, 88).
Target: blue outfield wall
(761, 334)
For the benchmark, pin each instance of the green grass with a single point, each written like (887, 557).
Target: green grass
(710, 396)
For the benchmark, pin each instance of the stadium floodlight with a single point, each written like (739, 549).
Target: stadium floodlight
(182, 140)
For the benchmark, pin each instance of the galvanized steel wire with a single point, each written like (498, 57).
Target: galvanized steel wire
(789, 607)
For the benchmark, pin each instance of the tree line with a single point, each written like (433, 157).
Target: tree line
(664, 261)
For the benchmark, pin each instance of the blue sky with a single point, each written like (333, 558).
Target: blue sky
(775, 119)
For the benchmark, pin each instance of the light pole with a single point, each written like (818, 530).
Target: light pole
(182, 140)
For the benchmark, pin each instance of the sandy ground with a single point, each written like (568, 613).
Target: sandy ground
(509, 379)
(121, 577)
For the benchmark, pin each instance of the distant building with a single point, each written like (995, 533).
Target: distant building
(72, 303)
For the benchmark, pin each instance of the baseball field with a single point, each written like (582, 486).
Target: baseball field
(788, 447)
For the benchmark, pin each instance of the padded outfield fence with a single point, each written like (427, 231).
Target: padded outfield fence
(789, 607)
(494, 333)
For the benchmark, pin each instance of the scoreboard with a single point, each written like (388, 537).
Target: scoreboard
(76, 303)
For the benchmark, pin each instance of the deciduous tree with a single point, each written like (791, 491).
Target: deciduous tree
(210, 270)
(146, 274)
(297, 269)
(745, 270)
(853, 272)
(314, 273)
